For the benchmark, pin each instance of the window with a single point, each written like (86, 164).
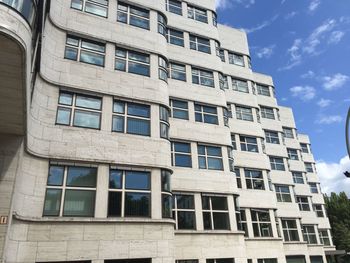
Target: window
(164, 122)
(263, 90)
(233, 141)
(313, 188)
(243, 113)
(187, 261)
(177, 71)
(236, 59)
(304, 148)
(84, 50)
(95, 7)
(272, 137)
(309, 168)
(290, 230)
(79, 110)
(293, 154)
(248, 144)
(215, 20)
(295, 259)
(215, 213)
(70, 191)
(181, 154)
(240, 85)
(288, 133)
(163, 69)
(267, 113)
(261, 223)
(184, 211)
(223, 81)
(298, 178)
(179, 109)
(197, 14)
(162, 25)
(131, 118)
(221, 260)
(136, 260)
(254, 179)
(132, 61)
(203, 77)
(222, 55)
(167, 197)
(206, 114)
(238, 178)
(267, 260)
(200, 44)
(309, 234)
(230, 159)
(242, 222)
(176, 37)
(324, 237)
(129, 193)
(318, 210)
(174, 6)
(209, 157)
(277, 163)
(303, 203)
(133, 15)
(226, 117)
(283, 193)
(316, 259)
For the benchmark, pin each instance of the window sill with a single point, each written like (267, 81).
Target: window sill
(294, 242)
(208, 232)
(263, 239)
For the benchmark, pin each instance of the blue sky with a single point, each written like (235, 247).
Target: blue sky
(305, 46)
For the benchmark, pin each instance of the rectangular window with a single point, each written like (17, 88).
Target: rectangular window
(295, 259)
(277, 163)
(132, 118)
(298, 177)
(261, 223)
(167, 198)
(136, 260)
(162, 25)
(203, 77)
(238, 177)
(288, 133)
(132, 61)
(164, 122)
(215, 213)
(293, 154)
(233, 141)
(221, 260)
(313, 188)
(163, 69)
(267, 113)
(179, 109)
(79, 110)
(303, 203)
(324, 237)
(222, 55)
(267, 260)
(236, 59)
(272, 137)
(206, 114)
(242, 222)
(254, 179)
(200, 44)
(176, 37)
(177, 71)
(290, 230)
(215, 19)
(309, 168)
(84, 50)
(263, 90)
(243, 113)
(283, 193)
(129, 193)
(70, 191)
(309, 234)
(181, 154)
(248, 144)
(240, 85)
(174, 6)
(95, 7)
(209, 157)
(133, 15)
(184, 211)
(230, 159)
(318, 210)
(197, 14)
(223, 81)
(304, 148)
(187, 261)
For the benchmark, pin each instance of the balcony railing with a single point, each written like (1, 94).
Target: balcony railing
(26, 8)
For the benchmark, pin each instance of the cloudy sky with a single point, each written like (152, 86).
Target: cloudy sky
(305, 46)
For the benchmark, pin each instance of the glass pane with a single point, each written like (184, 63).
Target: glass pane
(115, 179)
(118, 124)
(166, 180)
(77, 4)
(180, 114)
(221, 221)
(213, 151)
(120, 64)
(55, 175)
(95, 9)
(166, 206)
(205, 202)
(207, 221)
(215, 164)
(119, 107)
(219, 203)
(138, 126)
(139, 110)
(93, 46)
(185, 201)
(139, 11)
(92, 58)
(65, 99)
(186, 220)
(183, 160)
(52, 202)
(182, 147)
(137, 204)
(210, 119)
(88, 102)
(139, 22)
(81, 176)
(63, 116)
(114, 203)
(71, 53)
(139, 69)
(135, 56)
(87, 119)
(137, 180)
(202, 163)
(122, 17)
(79, 203)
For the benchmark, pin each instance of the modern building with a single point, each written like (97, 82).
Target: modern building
(137, 132)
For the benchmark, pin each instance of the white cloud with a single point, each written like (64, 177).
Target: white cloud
(260, 26)
(334, 82)
(283, 1)
(323, 103)
(290, 15)
(265, 52)
(305, 93)
(308, 75)
(335, 37)
(330, 119)
(331, 176)
(294, 55)
(314, 5)
(224, 4)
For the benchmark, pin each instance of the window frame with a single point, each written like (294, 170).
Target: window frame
(276, 165)
(129, 14)
(251, 180)
(201, 113)
(304, 148)
(196, 43)
(172, 39)
(169, 6)
(175, 153)
(272, 137)
(177, 210)
(236, 59)
(203, 77)
(240, 85)
(303, 203)
(91, 2)
(288, 132)
(207, 157)
(193, 12)
(259, 222)
(243, 114)
(267, 113)
(247, 144)
(297, 176)
(283, 196)
(213, 211)
(287, 229)
(263, 90)
(127, 60)
(307, 233)
(293, 154)
(179, 109)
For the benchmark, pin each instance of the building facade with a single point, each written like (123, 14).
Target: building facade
(137, 131)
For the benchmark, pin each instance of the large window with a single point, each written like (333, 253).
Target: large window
(210, 157)
(132, 61)
(70, 191)
(95, 7)
(167, 202)
(290, 230)
(298, 177)
(324, 237)
(288, 132)
(313, 188)
(277, 163)
(179, 109)
(309, 168)
(261, 223)
(181, 154)
(293, 154)
(129, 193)
(283, 193)
(215, 213)
(254, 179)
(248, 144)
(309, 234)
(263, 90)
(267, 113)
(133, 15)
(131, 118)
(303, 203)
(177, 71)
(240, 85)
(206, 114)
(184, 211)
(304, 148)
(243, 113)
(272, 137)
(197, 14)
(200, 44)
(236, 59)
(79, 110)
(203, 77)
(176, 37)
(318, 210)
(163, 68)
(164, 122)
(84, 50)
(174, 6)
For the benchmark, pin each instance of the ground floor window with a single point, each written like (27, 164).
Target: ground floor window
(133, 260)
(295, 259)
